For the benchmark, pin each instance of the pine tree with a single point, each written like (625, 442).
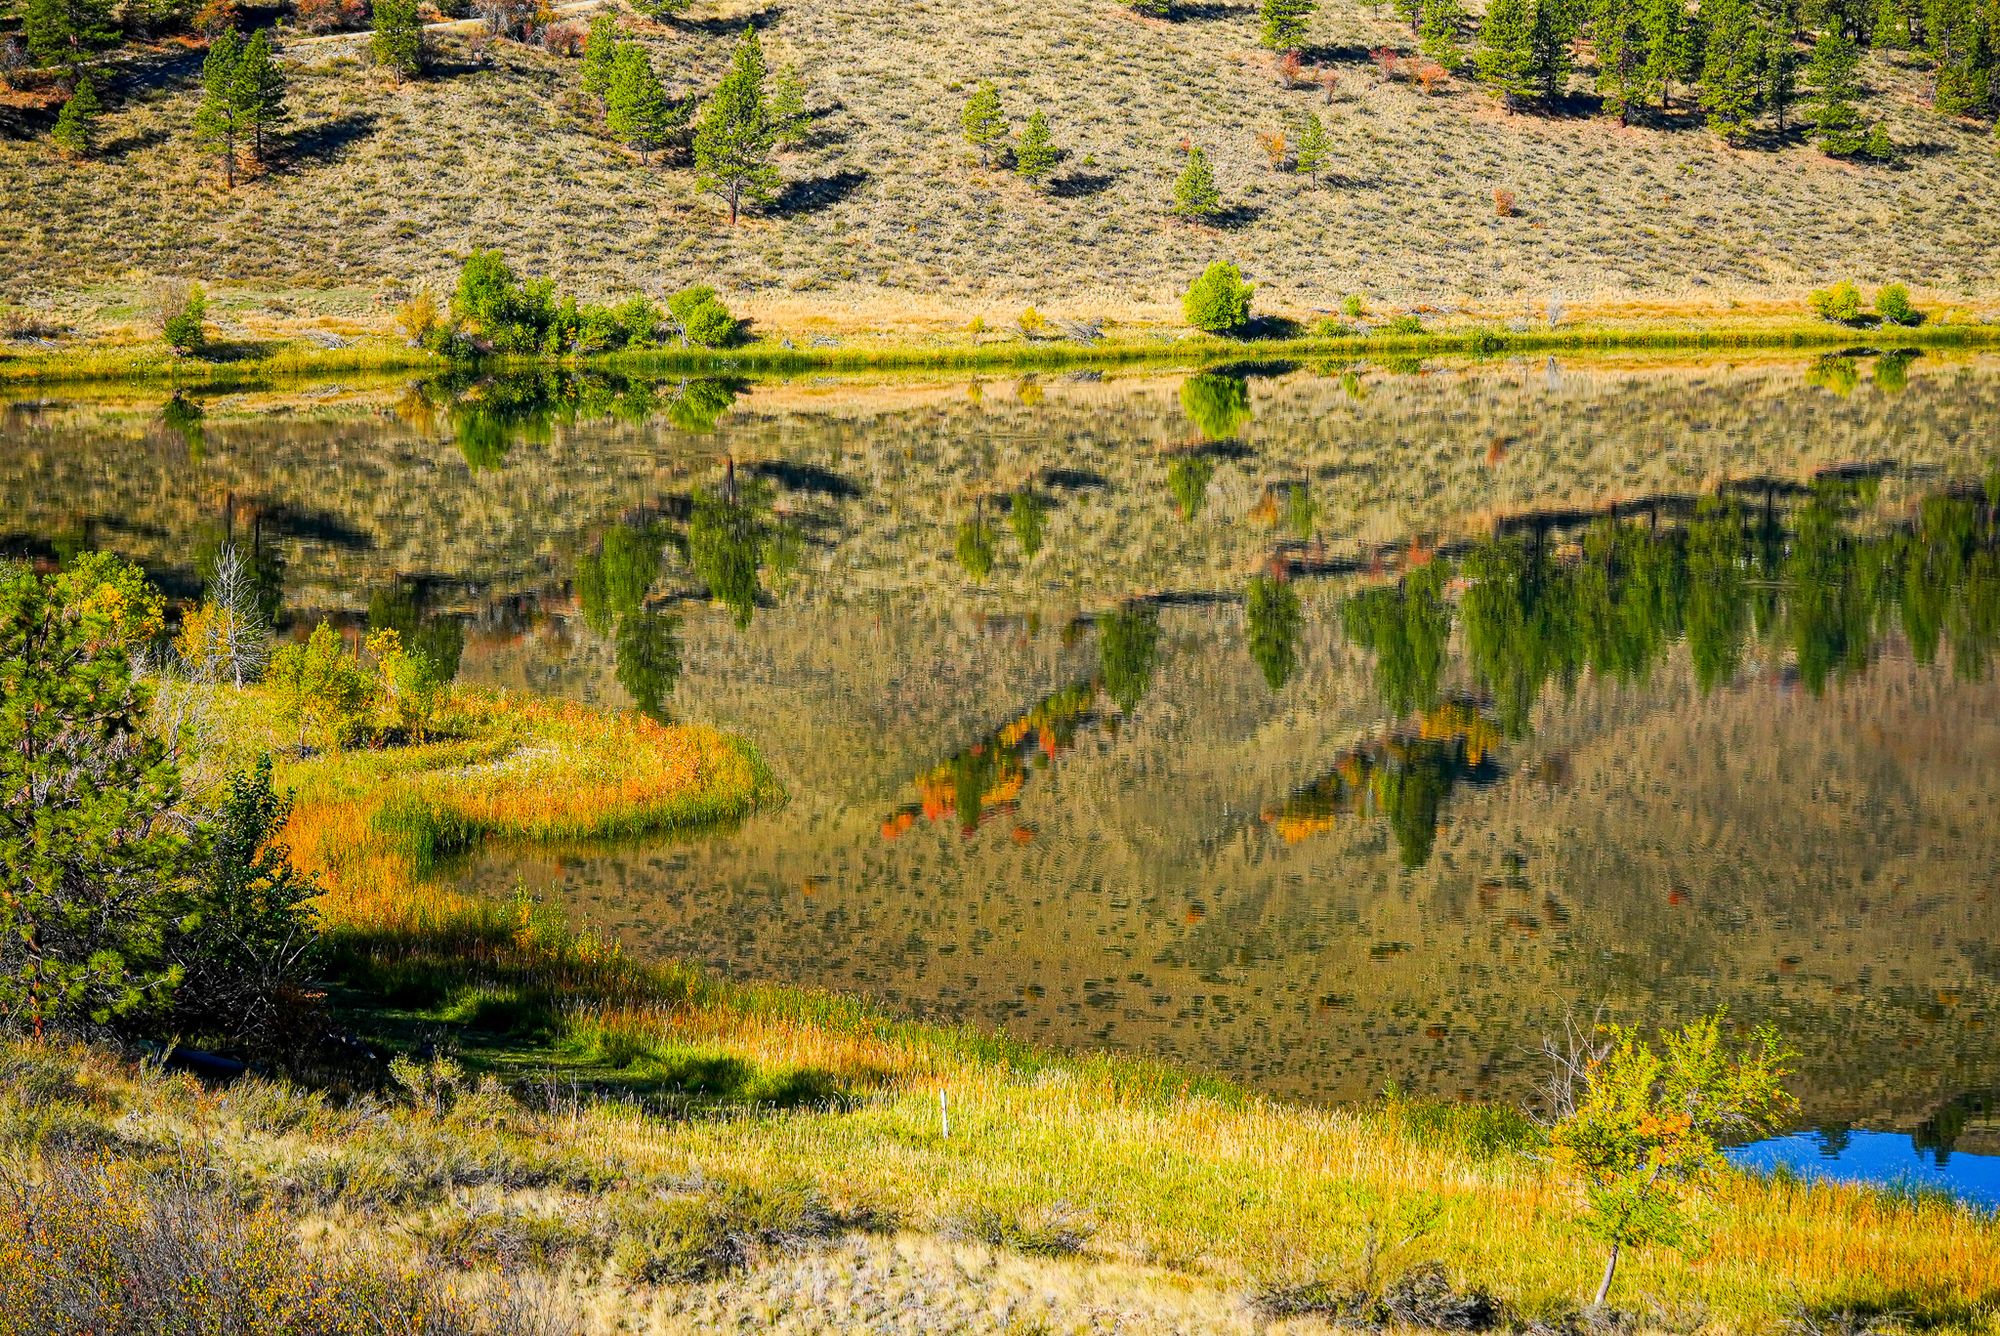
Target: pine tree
(1669, 45)
(636, 109)
(1285, 23)
(1438, 29)
(1618, 33)
(787, 107)
(1548, 47)
(1833, 75)
(1036, 155)
(218, 122)
(1314, 147)
(60, 33)
(76, 125)
(398, 43)
(1195, 195)
(600, 49)
(1732, 66)
(1778, 22)
(733, 143)
(984, 124)
(1961, 41)
(90, 853)
(1505, 57)
(260, 91)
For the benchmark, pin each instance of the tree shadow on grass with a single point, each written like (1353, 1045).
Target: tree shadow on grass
(732, 26)
(1235, 216)
(1336, 53)
(816, 193)
(132, 143)
(1272, 327)
(326, 141)
(1081, 185)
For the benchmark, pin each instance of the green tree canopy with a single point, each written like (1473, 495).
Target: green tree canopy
(1219, 301)
(734, 141)
(636, 108)
(1284, 23)
(1036, 155)
(397, 43)
(88, 855)
(984, 123)
(1195, 195)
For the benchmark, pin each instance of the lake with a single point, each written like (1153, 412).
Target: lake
(1327, 726)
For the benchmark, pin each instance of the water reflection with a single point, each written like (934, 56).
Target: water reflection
(1344, 740)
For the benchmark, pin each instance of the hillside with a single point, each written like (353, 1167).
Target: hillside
(886, 220)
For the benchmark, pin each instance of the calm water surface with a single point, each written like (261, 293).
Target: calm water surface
(1322, 725)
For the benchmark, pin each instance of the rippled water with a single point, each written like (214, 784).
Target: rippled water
(1327, 726)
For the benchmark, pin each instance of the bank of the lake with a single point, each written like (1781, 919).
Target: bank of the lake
(286, 358)
(641, 1138)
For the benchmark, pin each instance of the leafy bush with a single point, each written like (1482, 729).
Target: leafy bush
(321, 688)
(1406, 325)
(1840, 303)
(1219, 301)
(700, 318)
(182, 309)
(1892, 303)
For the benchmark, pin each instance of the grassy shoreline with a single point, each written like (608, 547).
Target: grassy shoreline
(640, 1137)
(153, 365)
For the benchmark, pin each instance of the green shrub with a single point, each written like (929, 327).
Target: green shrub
(700, 318)
(185, 325)
(1407, 325)
(1840, 303)
(1892, 303)
(1219, 301)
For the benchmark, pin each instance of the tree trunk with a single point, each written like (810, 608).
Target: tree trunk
(735, 200)
(1610, 1270)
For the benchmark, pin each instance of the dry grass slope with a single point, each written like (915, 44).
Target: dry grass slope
(888, 221)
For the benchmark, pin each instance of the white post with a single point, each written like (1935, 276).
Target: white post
(944, 1113)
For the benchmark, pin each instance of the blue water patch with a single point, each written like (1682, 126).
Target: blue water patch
(1887, 1159)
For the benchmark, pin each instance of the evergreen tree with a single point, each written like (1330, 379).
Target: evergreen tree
(984, 124)
(1962, 42)
(252, 933)
(1732, 66)
(60, 33)
(1285, 23)
(1779, 23)
(733, 143)
(1314, 148)
(218, 122)
(1195, 194)
(1548, 46)
(1438, 32)
(1669, 35)
(260, 92)
(1036, 155)
(89, 852)
(600, 50)
(787, 107)
(1618, 32)
(1833, 76)
(1505, 55)
(398, 41)
(1897, 25)
(76, 125)
(636, 109)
